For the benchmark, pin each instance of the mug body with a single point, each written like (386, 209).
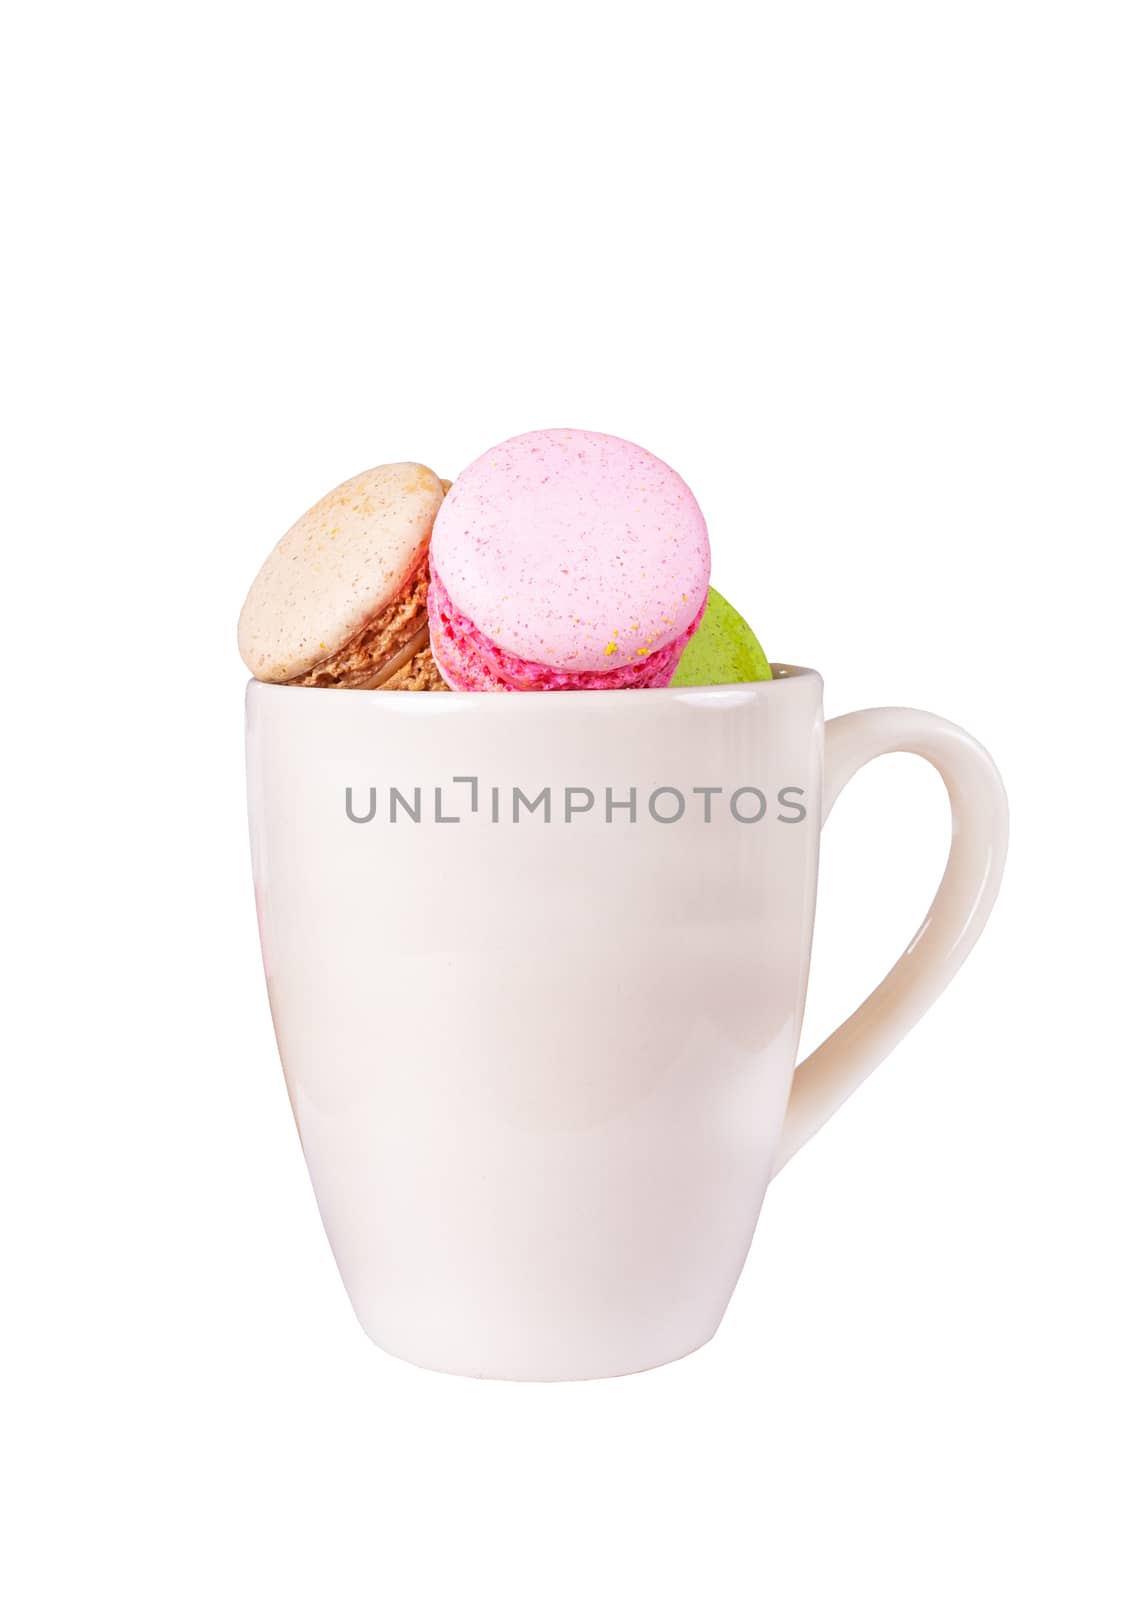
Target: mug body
(537, 965)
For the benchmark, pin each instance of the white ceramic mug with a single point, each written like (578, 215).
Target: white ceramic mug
(540, 1050)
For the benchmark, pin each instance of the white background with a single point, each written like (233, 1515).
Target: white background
(869, 277)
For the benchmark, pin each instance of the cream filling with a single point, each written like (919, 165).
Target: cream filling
(394, 664)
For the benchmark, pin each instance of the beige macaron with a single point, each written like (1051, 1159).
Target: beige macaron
(340, 600)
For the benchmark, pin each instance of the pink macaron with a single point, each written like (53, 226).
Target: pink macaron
(566, 560)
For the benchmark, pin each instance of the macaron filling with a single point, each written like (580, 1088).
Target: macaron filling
(391, 650)
(468, 659)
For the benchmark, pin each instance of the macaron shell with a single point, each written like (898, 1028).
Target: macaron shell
(574, 550)
(467, 659)
(723, 650)
(340, 563)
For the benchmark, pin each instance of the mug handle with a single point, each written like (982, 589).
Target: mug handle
(963, 901)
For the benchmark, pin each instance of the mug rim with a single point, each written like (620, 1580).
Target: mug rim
(784, 672)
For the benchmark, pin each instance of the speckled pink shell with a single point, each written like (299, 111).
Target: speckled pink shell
(571, 551)
(468, 659)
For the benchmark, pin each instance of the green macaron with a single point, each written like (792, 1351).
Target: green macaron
(723, 650)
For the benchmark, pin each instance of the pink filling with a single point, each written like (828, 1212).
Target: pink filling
(469, 659)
